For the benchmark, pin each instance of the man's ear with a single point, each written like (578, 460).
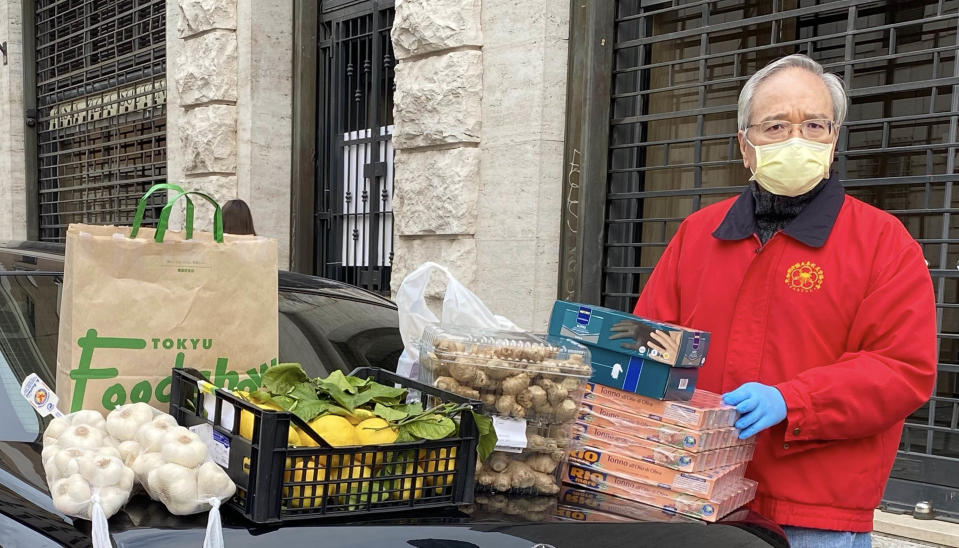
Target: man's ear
(741, 135)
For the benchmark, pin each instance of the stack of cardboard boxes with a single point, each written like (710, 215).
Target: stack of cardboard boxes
(644, 432)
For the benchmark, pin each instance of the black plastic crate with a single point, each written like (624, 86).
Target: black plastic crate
(277, 483)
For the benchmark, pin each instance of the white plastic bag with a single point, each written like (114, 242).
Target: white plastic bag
(460, 307)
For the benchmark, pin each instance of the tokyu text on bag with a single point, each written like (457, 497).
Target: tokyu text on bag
(460, 307)
(137, 302)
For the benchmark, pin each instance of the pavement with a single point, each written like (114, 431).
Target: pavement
(904, 531)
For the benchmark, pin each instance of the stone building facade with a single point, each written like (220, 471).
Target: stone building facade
(479, 123)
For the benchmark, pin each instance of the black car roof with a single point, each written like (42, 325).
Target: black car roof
(287, 280)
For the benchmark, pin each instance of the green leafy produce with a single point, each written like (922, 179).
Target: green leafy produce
(287, 386)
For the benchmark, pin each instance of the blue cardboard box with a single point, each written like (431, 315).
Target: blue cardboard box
(642, 375)
(630, 353)
(621, 332)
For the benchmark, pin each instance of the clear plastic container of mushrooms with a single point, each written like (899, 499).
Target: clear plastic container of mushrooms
(531, 386)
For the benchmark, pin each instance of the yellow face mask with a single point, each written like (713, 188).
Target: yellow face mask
(792, 167)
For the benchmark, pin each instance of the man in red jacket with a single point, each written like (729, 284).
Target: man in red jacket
(821, 310)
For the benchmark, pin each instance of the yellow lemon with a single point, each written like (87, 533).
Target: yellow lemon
(305, 439)
(375, 431)
(247, 420)
(302, 495)
(335, 430)
(436, 460)
(402, 488)
(351, 470)
(359, 415)
(293, 438)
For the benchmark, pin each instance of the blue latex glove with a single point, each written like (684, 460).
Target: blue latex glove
(761, 406)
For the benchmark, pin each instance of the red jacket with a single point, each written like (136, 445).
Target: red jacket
(837, 311)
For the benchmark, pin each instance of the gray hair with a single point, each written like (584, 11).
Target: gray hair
(836, 89)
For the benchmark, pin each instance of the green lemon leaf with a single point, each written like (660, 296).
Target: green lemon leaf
(310, 409)
(285, 402)
(389, 413)
(281, 378)
(303, 391)
(385, 394)
(411, 409)
(487, 436)
(404, 435)
(432, 427)
(339, 381)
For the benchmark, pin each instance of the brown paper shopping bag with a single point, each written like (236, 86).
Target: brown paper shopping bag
(136, 303)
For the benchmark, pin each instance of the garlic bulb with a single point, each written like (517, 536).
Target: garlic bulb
(71, 495)
(112, 498)
(176, 487)
(180, 446)
(144, 464)
(125, 421)
(70, 461)
(129, 451)
(89, 418)
(56, 427)
(213, 482)
(108, 451)
(150, 436)
(83, 436)
(49, 451)
(102, 471)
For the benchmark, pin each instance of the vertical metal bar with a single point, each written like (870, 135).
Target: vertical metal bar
(847, 78)
(374, 123)
(355, 131)
(338, 170)
(700, 118)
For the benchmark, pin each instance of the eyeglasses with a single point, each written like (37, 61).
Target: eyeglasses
(779, 130)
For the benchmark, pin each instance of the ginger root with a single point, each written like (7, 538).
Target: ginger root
(498, 461)
(565, 411)
(520, 475)
(488, 399)
(450, 385)
(515, 385)
(545, 484)
(542, 462)
(506, 405)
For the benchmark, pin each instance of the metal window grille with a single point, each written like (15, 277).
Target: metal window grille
(677, 69)
(355, 152)
(101, 110)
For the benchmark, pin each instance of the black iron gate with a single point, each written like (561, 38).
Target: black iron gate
(101, 109)
(676, 69)
(354, 169)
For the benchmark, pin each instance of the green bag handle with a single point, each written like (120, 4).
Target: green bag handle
(165, 216)
(142, 206)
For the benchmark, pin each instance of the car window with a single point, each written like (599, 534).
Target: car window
(326, 333)
(28, 344)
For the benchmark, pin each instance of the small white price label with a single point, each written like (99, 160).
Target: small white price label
(217, 444)
(510, 434)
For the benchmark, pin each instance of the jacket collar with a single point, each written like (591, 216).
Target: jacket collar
(811, 227)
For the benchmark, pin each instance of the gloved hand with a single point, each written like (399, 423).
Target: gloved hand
(761, 406)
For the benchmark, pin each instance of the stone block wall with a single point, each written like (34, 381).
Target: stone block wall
(229, 108)
(436, 134)
(13, 193)
(480, 121)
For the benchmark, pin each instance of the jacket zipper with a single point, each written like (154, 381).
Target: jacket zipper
(762, 245)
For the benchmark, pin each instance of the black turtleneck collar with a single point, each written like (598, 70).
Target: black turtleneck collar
(808, 218)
